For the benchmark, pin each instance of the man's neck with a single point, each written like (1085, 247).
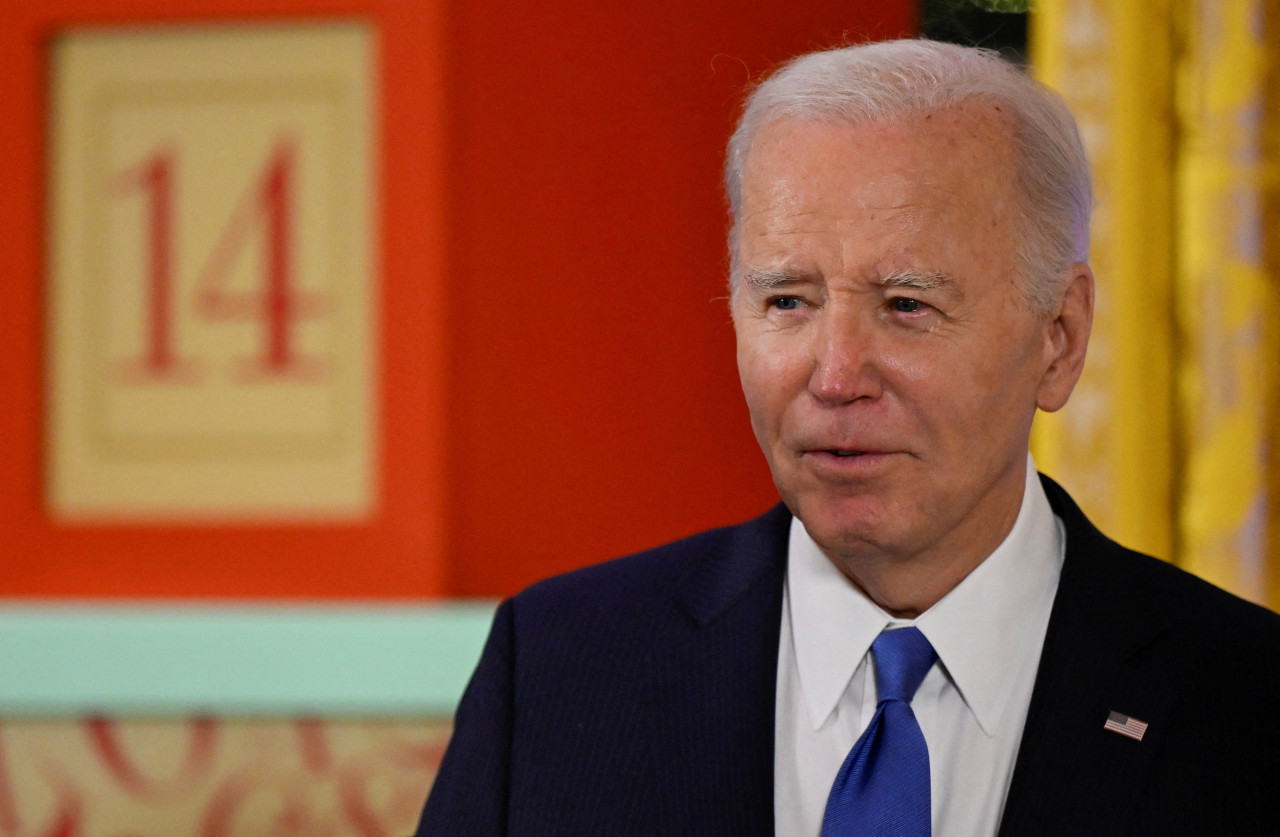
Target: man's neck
(908, 585)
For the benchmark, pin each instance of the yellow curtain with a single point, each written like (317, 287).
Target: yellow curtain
(1171, 441)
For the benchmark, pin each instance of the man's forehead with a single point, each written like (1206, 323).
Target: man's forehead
(925, 201)
(957, 155)
(987, 122)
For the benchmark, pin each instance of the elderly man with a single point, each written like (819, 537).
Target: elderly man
(926, 637)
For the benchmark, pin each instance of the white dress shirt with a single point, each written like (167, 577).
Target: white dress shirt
(972, 705)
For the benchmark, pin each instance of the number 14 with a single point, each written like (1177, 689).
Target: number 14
(277, 304)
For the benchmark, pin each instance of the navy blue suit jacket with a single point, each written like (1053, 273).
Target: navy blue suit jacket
(636, 697)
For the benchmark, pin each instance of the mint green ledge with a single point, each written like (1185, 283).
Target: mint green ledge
(245, 660)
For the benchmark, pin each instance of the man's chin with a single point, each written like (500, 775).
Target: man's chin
(848, 527)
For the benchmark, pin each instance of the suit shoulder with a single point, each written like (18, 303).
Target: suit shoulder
(1203, 608)
(1103, 571)
(657, 571)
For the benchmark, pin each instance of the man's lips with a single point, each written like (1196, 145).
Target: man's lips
(844, 452)
(847, 460)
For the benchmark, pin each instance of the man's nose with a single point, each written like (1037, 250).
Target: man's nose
(846, 360)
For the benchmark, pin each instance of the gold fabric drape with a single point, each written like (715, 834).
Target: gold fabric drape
(1170, 441)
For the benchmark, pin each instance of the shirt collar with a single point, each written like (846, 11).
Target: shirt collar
(980, 629)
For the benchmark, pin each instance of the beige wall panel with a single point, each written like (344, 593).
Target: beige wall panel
(212, 285)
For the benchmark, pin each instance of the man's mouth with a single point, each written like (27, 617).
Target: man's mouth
(846, 452)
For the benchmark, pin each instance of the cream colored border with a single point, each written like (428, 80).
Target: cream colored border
(188, 470)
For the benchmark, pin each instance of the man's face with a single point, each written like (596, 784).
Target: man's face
(889, 360)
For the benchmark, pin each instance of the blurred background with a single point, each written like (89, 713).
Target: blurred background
(544, 364)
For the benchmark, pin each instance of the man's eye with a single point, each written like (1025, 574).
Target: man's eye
(905, 305)
(786, 303)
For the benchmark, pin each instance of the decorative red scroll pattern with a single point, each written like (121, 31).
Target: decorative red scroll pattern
(207, 777)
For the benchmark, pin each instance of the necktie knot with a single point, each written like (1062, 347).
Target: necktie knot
(903, 657)
(882, 789)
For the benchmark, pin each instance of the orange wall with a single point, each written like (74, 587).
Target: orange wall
(553, 237)
(595, 402)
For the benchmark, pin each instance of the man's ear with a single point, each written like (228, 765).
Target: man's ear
(1068, 338)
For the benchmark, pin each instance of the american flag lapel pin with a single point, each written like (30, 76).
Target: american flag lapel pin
(1125, 725)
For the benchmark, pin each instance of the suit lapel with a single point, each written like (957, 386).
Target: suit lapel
(1105, 651)
(714, 684)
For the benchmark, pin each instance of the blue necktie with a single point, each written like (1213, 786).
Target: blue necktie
(882, 789)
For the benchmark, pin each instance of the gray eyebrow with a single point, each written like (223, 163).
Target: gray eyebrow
(766, 279)
(770, 278)
(918, 279)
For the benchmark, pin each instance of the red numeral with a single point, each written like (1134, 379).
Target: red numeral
(277, 302)
(154, 177)
(266, 206)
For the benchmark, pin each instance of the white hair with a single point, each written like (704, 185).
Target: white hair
(889, 80)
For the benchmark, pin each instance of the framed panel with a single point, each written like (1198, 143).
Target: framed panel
(312, 468)
(212, 285)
